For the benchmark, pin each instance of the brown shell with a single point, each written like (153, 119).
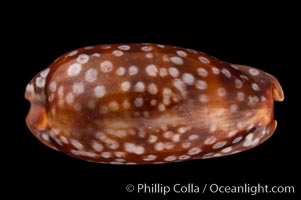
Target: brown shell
(148, 103)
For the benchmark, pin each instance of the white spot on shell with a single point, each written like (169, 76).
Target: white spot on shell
(188, 78)
(166, 93)
(165, 58)
(250, 136)
(150, 158)
(170, 158)
(89, 47)
(210, 140)
(120, 71)
(99, 91)
(96, 55)
(82, 58)
(61, 91)
(247, 143)
(221, 91)
(204, 60)
(45, 72)
(30, 90)
(161, 107)
(133, 70)
(152, 139)
(138, 102)
(114, 106)
(179, 85)
(184, 157)
(202, 72)
(215, 70)
(97, 146)
(161, 45)
(194, 151)
(255, 142)
(182, 130)
(45, 137)
(159, 146)
(163, 72)
(133, 148)
(125, 86)
(176, 138)
(253, 100)
(194, 137)
(40, 82)
(52, 86)
(226, 72)
(203, 98)
(152, 88)
(255, 87)
(139, 87)
(237, 139)
(91, 75)
(149, 55)
(76, 144)
(69, 98)
(219, 144)
(153, 102)
(174, 72)
(78, 88)
(106, 66)
(126, 104)
(186, 145)
(146, 48)
(64, 139)
(181, 53)
(226, 150)
(244, 77)
(124, 47)
(234, 66)
(238, 83)
(151, 70)
(117, 53)
(253, 71)
(72, 53)
(232, 133)
(74, 69)
(168, 134)
(201, 85)
(112, 144)
(177, 60)
(119, 154)
(105, 46)
(106, 154)
(240, 96)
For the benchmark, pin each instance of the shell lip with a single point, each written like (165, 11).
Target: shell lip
(277, 90)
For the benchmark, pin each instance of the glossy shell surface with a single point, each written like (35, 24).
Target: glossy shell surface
(149, 103)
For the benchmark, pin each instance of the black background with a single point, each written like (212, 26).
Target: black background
(263, 41)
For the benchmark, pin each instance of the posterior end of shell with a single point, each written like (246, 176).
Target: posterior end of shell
(277, 90)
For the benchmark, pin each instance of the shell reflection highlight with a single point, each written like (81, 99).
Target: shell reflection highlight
(148, 103)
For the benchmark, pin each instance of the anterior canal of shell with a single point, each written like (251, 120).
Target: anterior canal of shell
(149, 103)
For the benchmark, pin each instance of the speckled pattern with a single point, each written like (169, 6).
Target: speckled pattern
(149, 103)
